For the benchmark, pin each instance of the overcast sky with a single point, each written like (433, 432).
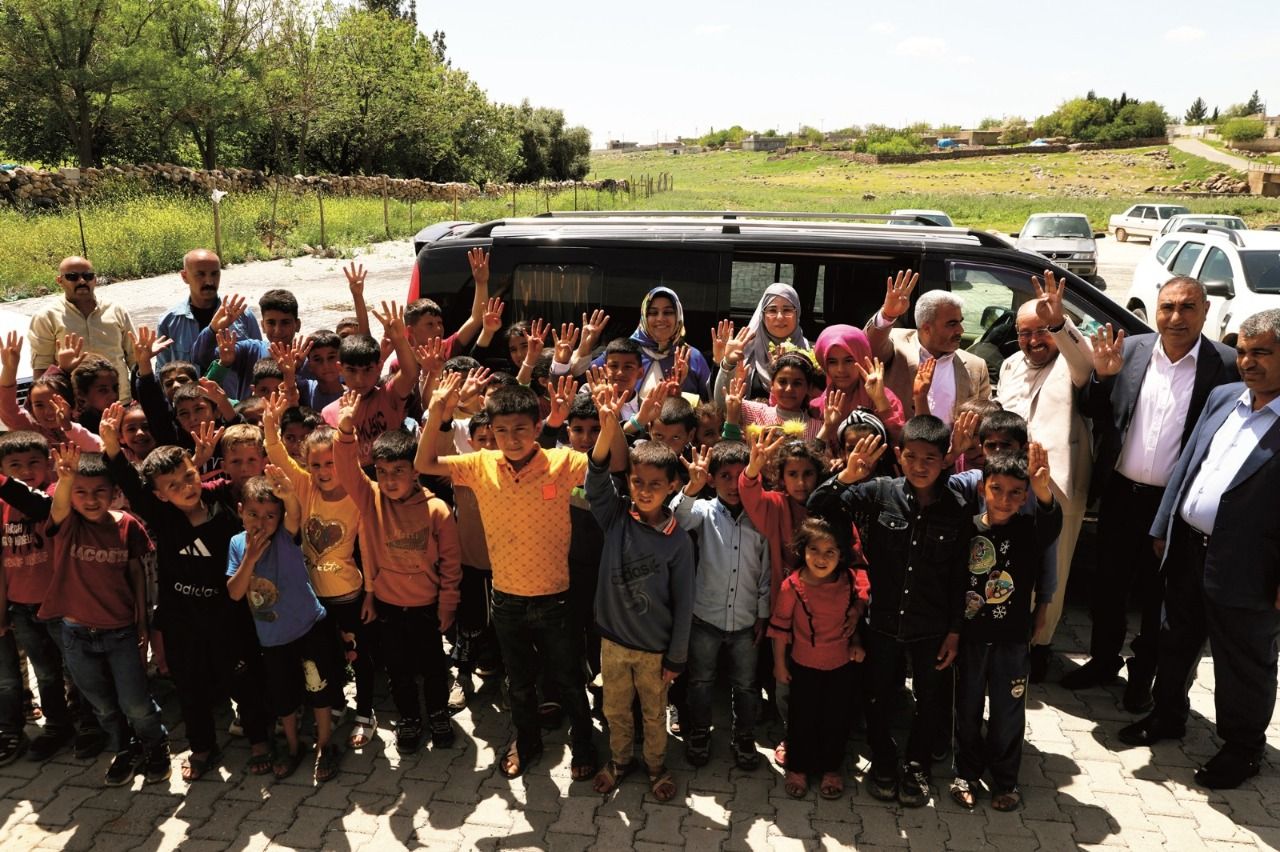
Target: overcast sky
(638, 71)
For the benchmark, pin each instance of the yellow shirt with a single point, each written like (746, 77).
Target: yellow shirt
(329, 530)
(526, 515)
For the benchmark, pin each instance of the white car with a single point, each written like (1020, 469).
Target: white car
(1239, 269)
(1143, 220)
(1065, 238)
(1175, 223)
(935, 216)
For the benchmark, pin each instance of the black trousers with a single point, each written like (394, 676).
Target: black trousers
(206, 669)
(1126, 563)
(885, 656)
(821, 707)
(993, 673)
(411, 646)
(1183, 630)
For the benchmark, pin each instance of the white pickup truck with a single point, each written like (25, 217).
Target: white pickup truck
(1143, 220)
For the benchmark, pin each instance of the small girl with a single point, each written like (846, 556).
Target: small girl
(816, 618)
(49, 402)
(795, 378)
(855, 379)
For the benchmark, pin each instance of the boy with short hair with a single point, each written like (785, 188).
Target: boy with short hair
(324, 367)
(523, 492)
(296, 424)
(915, 536)
(98, 590)
(97, 385)
(383, 405)
(675, 425)
(267, 377)
(300, 652)
(176, 373)
(412, 571)
(1006, 558)
(731, 602)
(192, 533)
(280, 322)
(644, 597)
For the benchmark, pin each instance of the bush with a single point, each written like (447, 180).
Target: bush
(1242, 130)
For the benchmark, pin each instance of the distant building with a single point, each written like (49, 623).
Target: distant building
(619, 145)
(978, 137)
(763, 143)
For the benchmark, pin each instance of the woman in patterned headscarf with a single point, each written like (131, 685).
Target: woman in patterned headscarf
(775, 322)
(660, 334)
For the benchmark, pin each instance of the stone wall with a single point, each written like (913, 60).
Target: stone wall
(964, 153)
(36, 188)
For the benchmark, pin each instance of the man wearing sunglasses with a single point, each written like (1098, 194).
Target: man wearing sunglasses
(104, 327)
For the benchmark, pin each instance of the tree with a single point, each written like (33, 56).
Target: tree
(548, 149)
(394, 8)
(1254, 105)
(1213, 119)
(991, 123)
(1242, 129)
(1196, 112)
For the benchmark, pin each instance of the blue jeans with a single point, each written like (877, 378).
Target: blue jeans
(537, 634)
(42, 651)
(107, 667)
(705, 644)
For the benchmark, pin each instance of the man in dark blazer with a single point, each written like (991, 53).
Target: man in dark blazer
(1144, 398)
(1217, 531)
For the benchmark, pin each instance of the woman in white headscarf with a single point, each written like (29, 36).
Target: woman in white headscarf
(776, 321)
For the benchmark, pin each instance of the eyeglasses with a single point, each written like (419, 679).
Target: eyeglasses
(1035, 332)
(774, 313)
(73, 277)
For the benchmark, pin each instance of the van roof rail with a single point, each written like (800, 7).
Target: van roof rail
(850, 223)
(750, 214)
(1199, 228)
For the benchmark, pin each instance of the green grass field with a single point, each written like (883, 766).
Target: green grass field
(984, 192)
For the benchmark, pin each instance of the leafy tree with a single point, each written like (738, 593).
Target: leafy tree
(1242, 129)
(1254, 105)
(548, 149)
(1196, 112)
(394, 8)
(1214, 118)
(991, 123)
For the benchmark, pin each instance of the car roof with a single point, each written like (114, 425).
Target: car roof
(1057, 216)
(905, 210)
(1247, 240)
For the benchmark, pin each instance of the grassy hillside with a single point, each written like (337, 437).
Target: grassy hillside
(984, 192)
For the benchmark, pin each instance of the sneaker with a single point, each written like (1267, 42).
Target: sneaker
(458, 694)
(745, 754)
(442, 733)
(914, 790)
(48, 742)
(673, 720)
(11, 747)
(409, 736)
(157, 766)
(882, 783)
(122, 769)
(89, 743)
(697, 747)
(236, 728)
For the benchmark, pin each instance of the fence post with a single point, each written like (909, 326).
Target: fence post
(455, 201)
(217, 228)
(410, 214)
(386, 214)
(320, 198)
(513, 199)
(275, 200)
(575, 195)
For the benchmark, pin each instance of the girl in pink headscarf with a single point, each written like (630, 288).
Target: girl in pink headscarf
(855, 380)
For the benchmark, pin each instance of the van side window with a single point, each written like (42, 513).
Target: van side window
(1166, 250)
(1186, 259)
(1217, 267)
(752, 277)
(558, 293)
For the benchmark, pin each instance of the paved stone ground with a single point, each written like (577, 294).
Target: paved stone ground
(1079, 794)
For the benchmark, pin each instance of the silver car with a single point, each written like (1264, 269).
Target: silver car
(1065, 238)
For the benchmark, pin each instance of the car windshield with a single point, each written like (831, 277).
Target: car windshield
(1166, 212)
(1233, 222)
(1058, 226)
(1262, 270)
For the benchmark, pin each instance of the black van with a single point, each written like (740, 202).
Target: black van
(557, 266)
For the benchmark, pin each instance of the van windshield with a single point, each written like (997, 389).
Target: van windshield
(1058, 226)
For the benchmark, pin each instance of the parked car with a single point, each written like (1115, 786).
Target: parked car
(1143, 220)
(936, 216)
(556, 266)
(1174, 223)
(1066, 238)
(12, 321)
(1239, 269)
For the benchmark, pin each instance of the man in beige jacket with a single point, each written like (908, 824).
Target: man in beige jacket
(1040, 385)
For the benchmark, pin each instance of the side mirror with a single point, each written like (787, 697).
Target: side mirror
(1014, 235)
(1100, 235)
(991, 314)
(1225, 289)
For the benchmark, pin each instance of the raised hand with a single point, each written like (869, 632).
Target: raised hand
(475, 384)
(593, 326)
(537, 337)
(680, 369)
(69, 355)
(964, 433)
(479, 260)
(355, 279)
(348, 408)
(430, 355)
(281, 485)
(608, 403)
(226, 347)
(61, 411)
(11, 354)
(762, 449)
(445, 397)
(214, 392)
(1038, 468)
(1049, 299)
(833, 411)
(276, 405)
(872, 370)
(392, 318)
(66, 461)
(733, 400)
(651, 406)
(565, 342)
(924, 379)
(597, 378)
(562, 394)
(206, 437)
(862, 459)
(699, 470)
(232, 308)
(109, 428)
(897, 294)
(1108, 351)
(720, 336)
(491, 320)
(736, 345)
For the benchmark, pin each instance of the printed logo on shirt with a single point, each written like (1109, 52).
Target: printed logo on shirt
(1018, 687)
(636, 568)
(191, 590)
(111, 555)
(982, 555)
(999, 587)
(263, 596)
(196, 548)
(311, 675)
(415, 540)
(20, 535)
(549, 491)
(324, 534)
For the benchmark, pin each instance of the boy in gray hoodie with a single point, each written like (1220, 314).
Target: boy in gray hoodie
(644, 600)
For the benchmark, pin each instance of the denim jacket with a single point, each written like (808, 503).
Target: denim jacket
(917, 555)
(180, 326)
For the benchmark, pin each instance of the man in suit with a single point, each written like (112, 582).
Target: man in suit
(1144, 398)
(958, 376)
(1040, 386)
(1222, 563)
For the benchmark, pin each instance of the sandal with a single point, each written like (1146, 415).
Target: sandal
(962, 794)
(661, 784)
(610, 775)
(286, 762)
(582, 767)
(194, 768)
(259, 764)
(362, 731)
(327, 763)
(831, 786)
(780, 754)
(513, 763)
(1008, 800)
(796, 785)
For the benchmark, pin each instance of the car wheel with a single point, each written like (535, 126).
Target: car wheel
(1121, 235)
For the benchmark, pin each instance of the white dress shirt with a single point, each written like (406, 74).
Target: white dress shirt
(942, 392)
(1154, 440)
(1235, 439)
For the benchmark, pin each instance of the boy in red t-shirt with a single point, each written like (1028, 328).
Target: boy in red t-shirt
(98, 590)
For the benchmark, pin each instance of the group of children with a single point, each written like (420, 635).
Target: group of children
(282, 516)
